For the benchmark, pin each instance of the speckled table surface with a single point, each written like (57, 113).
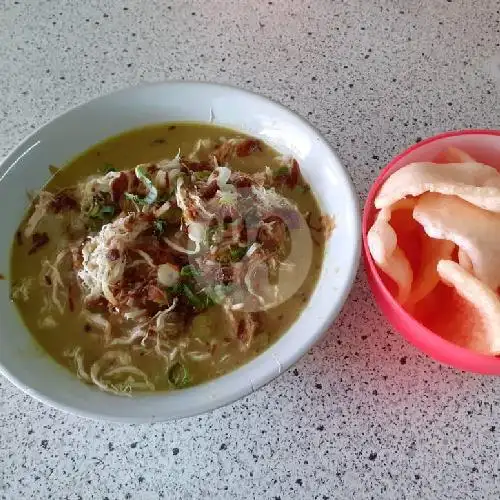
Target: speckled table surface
(363, 414)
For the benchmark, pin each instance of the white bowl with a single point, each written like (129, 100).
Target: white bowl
(25, 364)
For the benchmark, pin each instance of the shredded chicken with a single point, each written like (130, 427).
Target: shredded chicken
(100, 322)
(99, 273)
(21, 291)
(76, 355)
(114, 363)
(51, 278)
(41, 208)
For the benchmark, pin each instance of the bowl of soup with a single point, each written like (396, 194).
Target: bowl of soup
(169, 249)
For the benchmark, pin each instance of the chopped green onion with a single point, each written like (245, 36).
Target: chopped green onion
(281, 171)
(108, 167)
(176, 289)
(211, 232)
(159, 226)
(303, 189)
(107, 211)
(195, 301)
(98, 211)
(135, 198)
(208, 300)
(227, 198)
(93, 213)
(163, 198)
(202, 174)
(199, 301)
(152, 191)
(238, 253)
(178, 375)
(189, 271)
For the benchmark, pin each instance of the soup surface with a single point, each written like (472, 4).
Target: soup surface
(167, 256)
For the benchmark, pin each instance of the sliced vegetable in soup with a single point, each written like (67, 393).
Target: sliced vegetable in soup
(167, 256)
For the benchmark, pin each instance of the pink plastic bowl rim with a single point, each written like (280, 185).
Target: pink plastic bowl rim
(431, 343)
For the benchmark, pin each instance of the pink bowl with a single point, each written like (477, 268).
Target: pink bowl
(484, 146)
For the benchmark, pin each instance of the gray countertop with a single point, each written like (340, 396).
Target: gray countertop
(363, 414)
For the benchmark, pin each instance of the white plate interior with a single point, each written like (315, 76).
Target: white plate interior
(26, 168)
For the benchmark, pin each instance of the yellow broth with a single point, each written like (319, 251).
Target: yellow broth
(143, 145)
